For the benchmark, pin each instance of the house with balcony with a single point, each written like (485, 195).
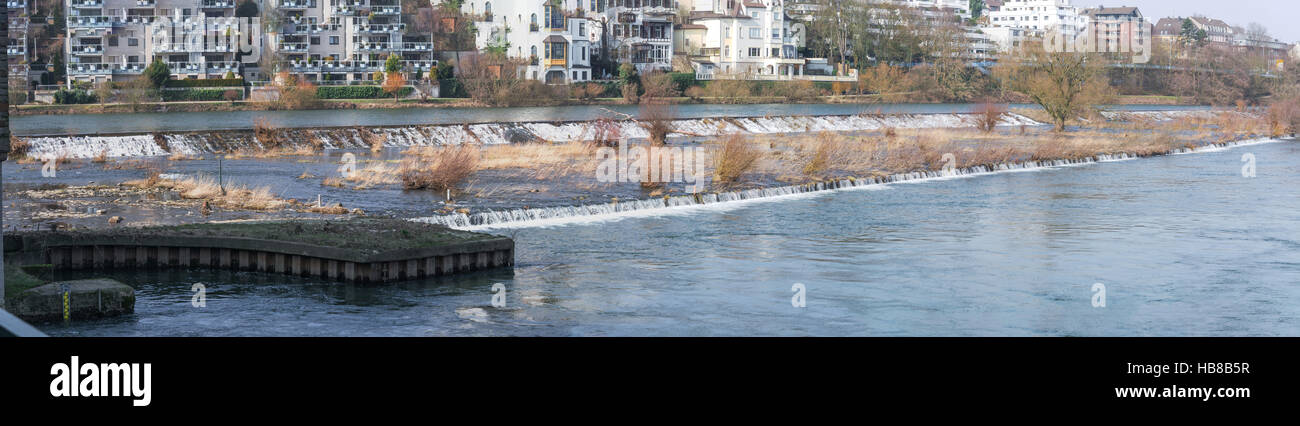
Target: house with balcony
(640, 32)
(344, 41)
(1012, 22)
(551, 39)
(116, 39)
(744, 39)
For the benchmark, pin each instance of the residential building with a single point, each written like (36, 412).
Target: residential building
(1116, 29)
(344, 40)
(640, 32)
(959, 7)
(116, 39)
(749, 39)
(18, 45)
(552, 39)
(1010, 22)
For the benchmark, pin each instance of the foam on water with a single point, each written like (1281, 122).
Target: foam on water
(593, 213)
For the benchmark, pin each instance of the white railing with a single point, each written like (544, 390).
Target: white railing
(87, 49)
(87, 3)
(378, 28)
(18, 50)
(89, 68)
(207, 4)
(297, 4)
(16, 4)
(90, 21)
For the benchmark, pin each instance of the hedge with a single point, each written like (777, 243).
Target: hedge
(210, 82)
(75, 96)
(194, 95)
(357, 92)
(683, 80)
(451, 88)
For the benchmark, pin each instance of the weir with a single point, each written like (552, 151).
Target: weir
(197, 143)
(519, 217)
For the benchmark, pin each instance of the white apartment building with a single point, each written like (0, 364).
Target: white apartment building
(1012, 21)
(344, 40)
(959, 7)
(552, 39)
(750, 39)
(114, 39)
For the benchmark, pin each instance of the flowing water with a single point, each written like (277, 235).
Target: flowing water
(1184, 245)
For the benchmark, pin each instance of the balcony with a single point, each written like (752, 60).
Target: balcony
(554, 63)
(419, 65)
(88, 49)
(87, 3)
(185, 67)
(90, 22)
(222, 67)
(387, 11)
(16, 4)
(296, 4)
(218, 4)
(89, 69)
(312, 29)
(129, 68)
(17, 25)
(146, 3)
(378, 28)
(137, 19)
(293, 47)
(17, 50)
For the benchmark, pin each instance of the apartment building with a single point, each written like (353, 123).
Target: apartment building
(17, 47)
(343, 40)
(1010, 22)
(1114, 29)
(117, 39)
(640, 32)
(959, 7)
(552, 39)
(749, 39)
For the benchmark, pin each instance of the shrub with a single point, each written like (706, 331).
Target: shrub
(158, 73)
(75, 96)
(265, 133)
(797, 91)
(231, 95)
(444, 169)
(683, 81)
(988, 115)
(729, 90)
(735, 157)
(192, 95)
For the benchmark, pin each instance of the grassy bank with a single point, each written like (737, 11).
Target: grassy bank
(17, 281)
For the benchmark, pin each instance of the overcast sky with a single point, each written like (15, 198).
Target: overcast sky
(1280, 16)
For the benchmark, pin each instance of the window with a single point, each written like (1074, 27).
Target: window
(132, 42)
(776, 33)
(756, 32)
(314, 41)
(334, 40)
(584, 53)
(754, 52)
(112, 41)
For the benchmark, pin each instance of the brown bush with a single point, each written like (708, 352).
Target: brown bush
(18, 147)
(657, 120)
(266, 133)
(658, 85)
(442, 170)
(797, 91)
(988, 115)
(1284, 117)
(729, 91)
(735, 157)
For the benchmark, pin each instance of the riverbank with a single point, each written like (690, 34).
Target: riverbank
(440, 103)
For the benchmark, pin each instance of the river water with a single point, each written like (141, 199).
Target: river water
(90, 124)
(1183, 245)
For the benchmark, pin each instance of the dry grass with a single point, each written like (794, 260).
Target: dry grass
(231, 196)
(18, 147)
(101, 157)
(375, 139)
(444, 169)
(735, 157)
